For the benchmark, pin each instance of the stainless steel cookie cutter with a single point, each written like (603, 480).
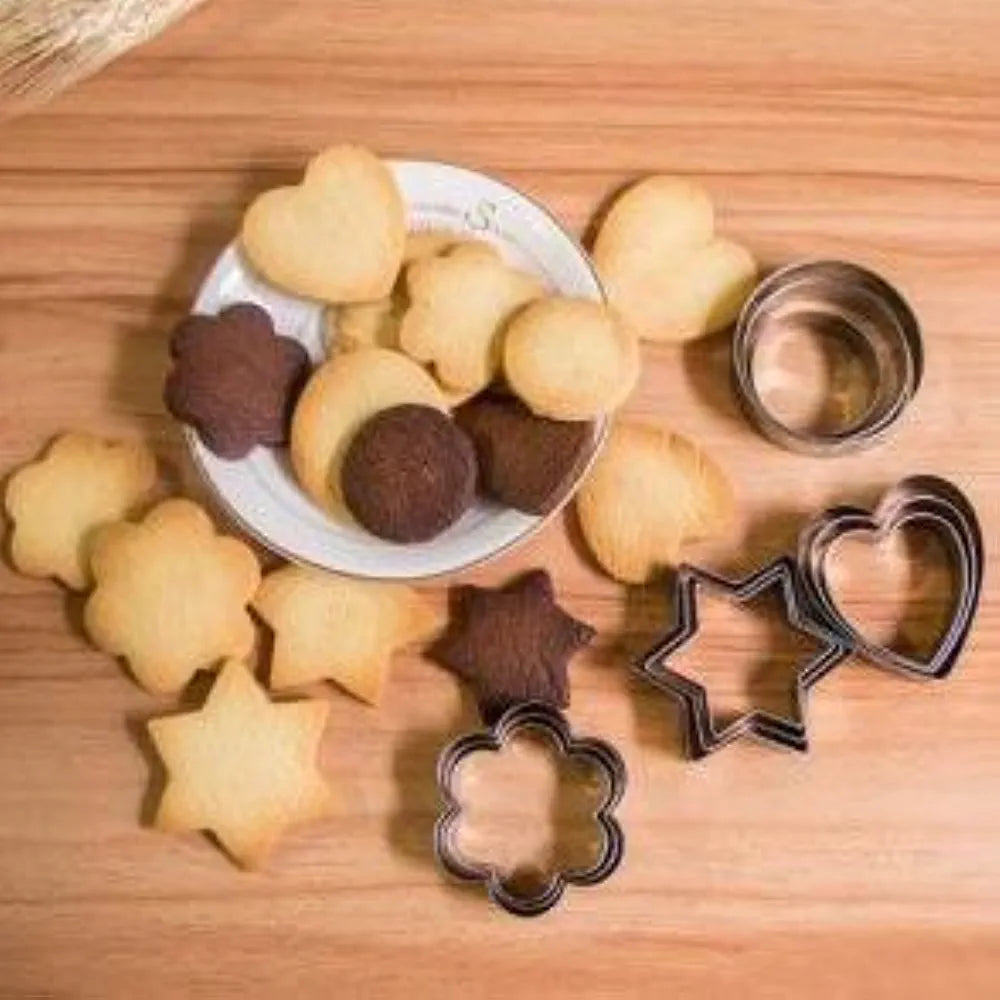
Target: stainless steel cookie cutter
(810, 608)
(858, 307)
(538, 717)
(701, 734)
(927, 500)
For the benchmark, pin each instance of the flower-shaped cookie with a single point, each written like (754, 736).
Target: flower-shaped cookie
(602, 758)
(459, 304)
(58, 501)
(171, 595)
(234, 380)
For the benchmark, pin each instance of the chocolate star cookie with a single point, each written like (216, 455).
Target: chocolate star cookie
(512, 644)
(234, 379)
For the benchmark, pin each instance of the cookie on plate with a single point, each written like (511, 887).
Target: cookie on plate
(331, 627)
(512, 644)
(409, 473)
(376, 324)
(242, 766)
(234, 379)
(171, 595)
(57, 502)
(336, 237)
(525, 462)
(570, 359)
(459, 305)
(649, 494)
(662, 265)
(342, 394)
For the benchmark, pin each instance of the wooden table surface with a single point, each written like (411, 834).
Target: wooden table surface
(869, 868)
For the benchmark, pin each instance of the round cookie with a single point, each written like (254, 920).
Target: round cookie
(341, 395)
(525, 462)
(409, 473)
(570, 359)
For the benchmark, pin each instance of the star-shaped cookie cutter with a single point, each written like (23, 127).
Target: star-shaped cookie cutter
(702, 736)
(604, 758)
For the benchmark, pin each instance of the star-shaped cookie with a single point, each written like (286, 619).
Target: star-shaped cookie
(58, 501)
(512, 644)
(171, 595)
(242, 766)
(234, 379)
(338, 628)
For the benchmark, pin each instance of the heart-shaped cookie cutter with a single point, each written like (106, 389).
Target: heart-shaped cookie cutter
(810, 608)
(530, 717)
(862, 310)
(917, 500)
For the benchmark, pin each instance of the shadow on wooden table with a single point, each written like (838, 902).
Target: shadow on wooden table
(190, 699)
(410, 827)
(143, 356)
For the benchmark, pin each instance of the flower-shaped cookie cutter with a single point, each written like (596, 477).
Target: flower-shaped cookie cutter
(534, 717)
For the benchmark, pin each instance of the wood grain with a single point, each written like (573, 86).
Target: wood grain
(871, 868)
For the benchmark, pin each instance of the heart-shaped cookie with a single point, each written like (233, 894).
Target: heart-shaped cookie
(922, 500)
(338, 236)
(662, 265)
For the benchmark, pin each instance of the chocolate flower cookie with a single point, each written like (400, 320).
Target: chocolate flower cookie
(234, 379)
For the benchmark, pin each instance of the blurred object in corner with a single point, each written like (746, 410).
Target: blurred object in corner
(48, 45)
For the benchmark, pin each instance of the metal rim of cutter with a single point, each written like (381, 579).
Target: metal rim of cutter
(605, 759)
(702, 735)
(870, 313)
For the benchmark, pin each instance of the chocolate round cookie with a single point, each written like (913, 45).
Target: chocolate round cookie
(409, 473)
(525, 462)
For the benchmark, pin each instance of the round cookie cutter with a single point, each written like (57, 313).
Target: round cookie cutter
(859, 308)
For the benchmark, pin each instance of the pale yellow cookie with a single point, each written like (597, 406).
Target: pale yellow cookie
(570, 359)
(339, 397)
(662, 265)
(57, 502)
(376, 324)
(649, 493)
(338, 236)
(171, 595)
(459, 305)
(242, 766)
(337, 628)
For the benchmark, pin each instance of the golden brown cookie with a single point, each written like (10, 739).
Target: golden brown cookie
(376, 324)
(662, 265)
(58, 501)
(338, 236)
(570, 359)
(459, 305)
(171, 595)
(649, 493)
(242, 766)
(330, 627)
(341, 396)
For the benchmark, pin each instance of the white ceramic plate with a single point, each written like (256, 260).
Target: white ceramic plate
(260, 490)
